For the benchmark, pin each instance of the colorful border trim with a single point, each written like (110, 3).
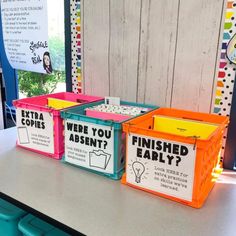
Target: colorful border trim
(76, 45)
(226, 69)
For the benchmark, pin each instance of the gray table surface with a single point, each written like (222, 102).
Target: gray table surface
(95, 205)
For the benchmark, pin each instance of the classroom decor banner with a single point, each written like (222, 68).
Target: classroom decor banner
(161, 165)
(25, 34)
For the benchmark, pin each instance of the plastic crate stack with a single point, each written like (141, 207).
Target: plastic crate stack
(171, 153)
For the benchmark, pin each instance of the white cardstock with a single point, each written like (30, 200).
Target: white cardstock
(112, 101)
(35, 130)
(89, 145)
(161, 165)
(25, 33)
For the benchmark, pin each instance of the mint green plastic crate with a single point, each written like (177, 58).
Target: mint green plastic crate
(33, 226)
(10, 215)
(78, 114)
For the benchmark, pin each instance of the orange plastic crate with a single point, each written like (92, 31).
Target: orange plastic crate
(201, 168)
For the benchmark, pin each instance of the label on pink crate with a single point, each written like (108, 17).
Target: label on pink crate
(89, 145)
(35, 130)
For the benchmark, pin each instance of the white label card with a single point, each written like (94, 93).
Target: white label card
(161, 165)
(89, 145)
(35, 130)
(112, 101)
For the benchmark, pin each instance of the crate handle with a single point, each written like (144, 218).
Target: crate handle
(195, 140)
(111, 121)
(50, 110)
(130, 124)
(81, 100)
(187, 118)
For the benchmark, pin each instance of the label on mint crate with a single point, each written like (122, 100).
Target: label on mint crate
(89, 145)
(161, 165)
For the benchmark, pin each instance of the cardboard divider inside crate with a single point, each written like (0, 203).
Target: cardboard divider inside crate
(107, 115)
(183, 127)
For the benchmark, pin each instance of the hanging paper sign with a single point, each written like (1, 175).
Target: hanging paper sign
(25, 34)
(231, 50)
(161, 165)
(35, 130)
(89, 145)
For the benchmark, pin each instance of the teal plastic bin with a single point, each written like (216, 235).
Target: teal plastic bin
(33, 226)
(95, 141)
(10, 215)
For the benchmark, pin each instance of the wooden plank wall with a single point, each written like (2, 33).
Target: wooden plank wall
(152, 51)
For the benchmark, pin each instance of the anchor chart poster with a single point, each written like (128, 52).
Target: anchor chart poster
(25, 34)
(89, 145)
(161, 165)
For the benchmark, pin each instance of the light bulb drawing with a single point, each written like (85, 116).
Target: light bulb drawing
(138, 169)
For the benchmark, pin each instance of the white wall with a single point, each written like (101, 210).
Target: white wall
(161, 52)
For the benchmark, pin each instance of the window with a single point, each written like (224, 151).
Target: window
(33, 84)
(21, 84)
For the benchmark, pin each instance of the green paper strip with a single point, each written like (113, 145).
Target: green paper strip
(217, 101)
(228, 25)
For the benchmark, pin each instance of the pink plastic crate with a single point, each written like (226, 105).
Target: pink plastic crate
(34, 118)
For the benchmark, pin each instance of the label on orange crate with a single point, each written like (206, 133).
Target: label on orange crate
(35, 130)
(161, 165)
(89, 145)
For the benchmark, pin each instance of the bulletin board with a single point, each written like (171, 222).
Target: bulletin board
(226, 68)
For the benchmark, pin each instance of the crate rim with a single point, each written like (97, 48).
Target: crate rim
(129, 128)
(133, 126)
(23, 101)
(67, 113)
